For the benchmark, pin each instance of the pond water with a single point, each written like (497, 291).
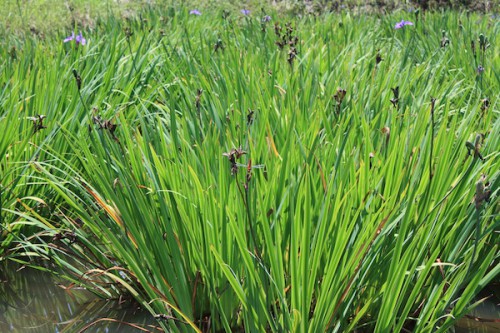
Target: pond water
(485, 318)
(34, 302)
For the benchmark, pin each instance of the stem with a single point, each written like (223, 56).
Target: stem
(85, 108)
(81, 99)
(478, 227)
(131, 53)
(433, 101)
(249, 217)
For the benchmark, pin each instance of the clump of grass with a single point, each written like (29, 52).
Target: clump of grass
(360, 214)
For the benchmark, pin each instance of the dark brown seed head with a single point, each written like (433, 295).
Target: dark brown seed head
(485, 104)
(250, 117)
(340, 95)
(395, 92)
(78, 79)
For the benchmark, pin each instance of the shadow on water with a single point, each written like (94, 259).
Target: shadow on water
(32, 301)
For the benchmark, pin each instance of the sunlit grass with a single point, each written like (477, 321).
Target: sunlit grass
(365, 213)
(39, 17)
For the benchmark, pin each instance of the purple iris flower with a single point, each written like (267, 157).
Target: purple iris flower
(78, 39)
(195, 12)
(266, 18)
(480, 69)
(401, 24)
(245, 12)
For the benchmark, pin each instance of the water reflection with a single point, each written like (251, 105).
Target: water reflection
(33, 302)
(485, 318)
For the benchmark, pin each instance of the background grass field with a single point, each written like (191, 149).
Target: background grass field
(37, 17)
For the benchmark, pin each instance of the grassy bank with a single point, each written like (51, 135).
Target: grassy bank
(37, 18)
(238, 172)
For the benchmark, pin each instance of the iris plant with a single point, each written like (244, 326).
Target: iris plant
(78, 39)
(401, 24)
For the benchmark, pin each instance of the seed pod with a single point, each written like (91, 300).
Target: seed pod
(78, 79)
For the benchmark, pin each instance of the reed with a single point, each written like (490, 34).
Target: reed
(236, 174)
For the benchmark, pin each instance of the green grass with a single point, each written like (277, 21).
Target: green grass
(362, 217)
(41, 17)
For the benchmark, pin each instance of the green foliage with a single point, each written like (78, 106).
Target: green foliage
(361, 214)
(40, 17)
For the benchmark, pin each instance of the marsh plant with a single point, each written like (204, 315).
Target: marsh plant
(290, 181)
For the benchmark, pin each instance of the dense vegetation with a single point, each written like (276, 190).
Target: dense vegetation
(257, 172)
